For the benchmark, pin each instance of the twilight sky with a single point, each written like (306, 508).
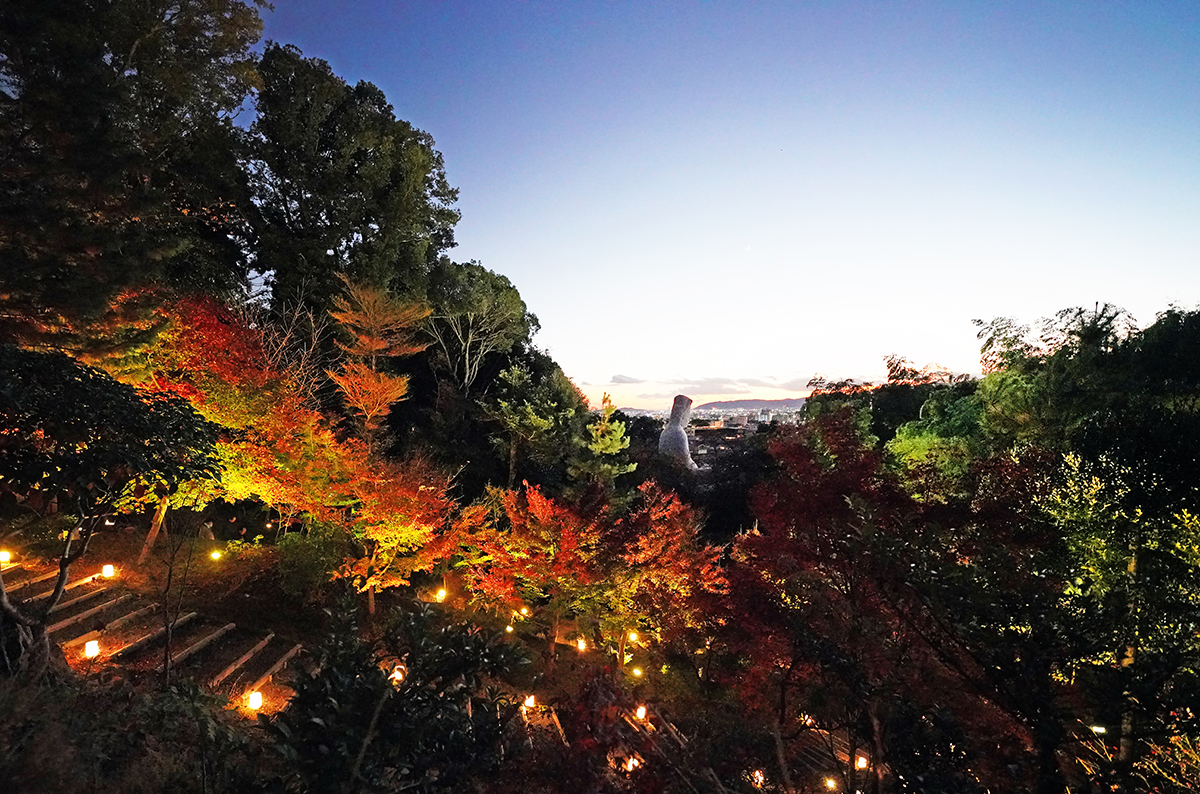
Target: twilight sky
(725, 198)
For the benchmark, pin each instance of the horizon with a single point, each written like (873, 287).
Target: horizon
(724, 200)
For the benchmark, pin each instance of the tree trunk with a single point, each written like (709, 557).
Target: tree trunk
(156, 524)
(785, 774)
(371, 600)
(512, 463)
(1128, 746)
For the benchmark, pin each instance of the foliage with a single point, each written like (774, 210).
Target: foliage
(341, 185)
(73, 431)
(351, 727)
(536, 418)
(600, 462)
(378, 327)
(105, 737)
(119, 170)
(476, 313)
(308, 561)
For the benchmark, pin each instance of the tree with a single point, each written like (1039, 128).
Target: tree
(341, 185)
(117, 171)
(534, 417)
(72, 433)
(379, 328)
(599, 462)
(476, 313)
(353, 726)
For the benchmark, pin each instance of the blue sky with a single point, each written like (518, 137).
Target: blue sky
(725, 198)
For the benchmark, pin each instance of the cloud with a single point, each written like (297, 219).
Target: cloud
(798, 384)
(712, 386)
(626, 379)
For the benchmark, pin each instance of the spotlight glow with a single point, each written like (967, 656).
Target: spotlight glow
(108, 572)
(91, 649)
(5, 557)
(216, 555)
(254, 701)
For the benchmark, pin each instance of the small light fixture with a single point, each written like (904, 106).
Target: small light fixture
(91, 649)
(581, 644)
(530, 702)
(108, 571)
(641, 712)
(633, 635)
(861, 762)
(758, 778)
(108, 522)
(5, 557)
(637, 672)
(441, 595)
(216, 555)
(254, 701)
(1099, 729)
(399, 673)
(631, 764)
(509, 629)
(830, 783)
(524, 610)
(268, 525)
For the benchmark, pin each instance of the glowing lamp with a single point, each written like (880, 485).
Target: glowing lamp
(641, 712)
(758, 778)
(524, 610)
(91, 649)
(530, 702)
(399, 673)
(216, 555)
(581, 644)
(508, 629)
(637, 672)
(255, 700)
(632, 764)
(830, 783)
(861, 762)
(108, 572)
(633, 635)
(441, 595)
(5, 557)
(1099, 729)
(108, 522)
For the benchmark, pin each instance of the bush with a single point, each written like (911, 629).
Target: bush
(308, 560)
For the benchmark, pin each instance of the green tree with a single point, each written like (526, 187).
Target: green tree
(476, 313)
(341, 185)
(600, 460)
(534, 419)
(72, 433)
(118, 169)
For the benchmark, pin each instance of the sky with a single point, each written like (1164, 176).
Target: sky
(724, 199)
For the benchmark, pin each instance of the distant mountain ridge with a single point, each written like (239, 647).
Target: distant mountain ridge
(751, 405)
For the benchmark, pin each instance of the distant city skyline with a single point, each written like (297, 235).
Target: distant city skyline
(724, 199)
